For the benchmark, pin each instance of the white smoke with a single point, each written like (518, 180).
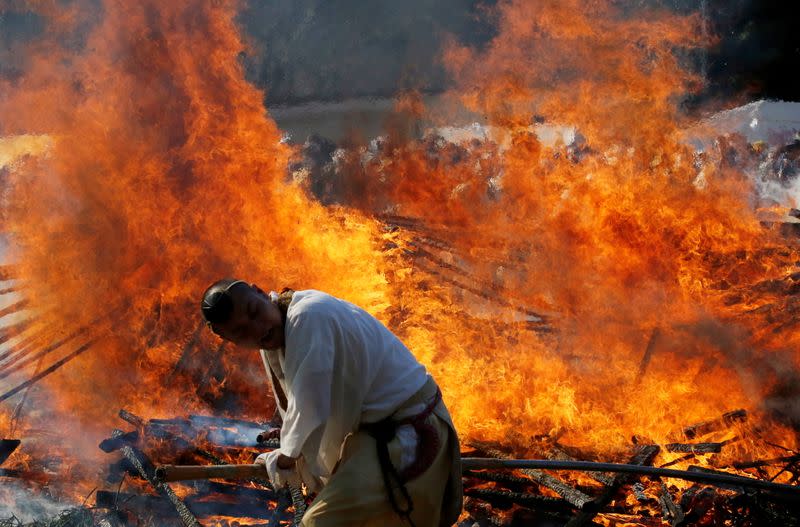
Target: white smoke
(28, 504)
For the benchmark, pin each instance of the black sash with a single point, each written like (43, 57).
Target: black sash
(427, 446)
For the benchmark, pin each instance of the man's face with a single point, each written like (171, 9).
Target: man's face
(255, 323)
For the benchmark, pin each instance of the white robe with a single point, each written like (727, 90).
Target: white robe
(341, 368)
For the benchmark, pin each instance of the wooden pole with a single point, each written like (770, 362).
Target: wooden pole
(186, 472)
(590, 466)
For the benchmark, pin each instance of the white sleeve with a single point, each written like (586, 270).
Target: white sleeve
(309, 370)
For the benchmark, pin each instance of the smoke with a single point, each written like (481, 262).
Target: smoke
(27, 503)
(317, 50)
(321, 50)
(769, 377)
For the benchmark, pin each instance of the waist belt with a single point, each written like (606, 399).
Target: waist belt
(428, 444)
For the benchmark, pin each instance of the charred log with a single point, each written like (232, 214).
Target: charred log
(238, 491)
(638, 492)
(697, 501)
(146, 469)
(644, 456)
(670, 510)
(199, 507)
(119, 470)
(701, 475)
(556, 452)
(499, 477)
(695, 448)
(160, 428)
(505, 499)
(7, 447)
(115, 443)
(574, 496)
(706, 427)
(131, 418)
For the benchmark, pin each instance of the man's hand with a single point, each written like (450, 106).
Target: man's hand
(286, 462)
(280, 469)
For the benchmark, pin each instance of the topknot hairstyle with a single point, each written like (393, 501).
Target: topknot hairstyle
(217, 304)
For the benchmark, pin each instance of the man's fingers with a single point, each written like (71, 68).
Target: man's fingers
(285, 462)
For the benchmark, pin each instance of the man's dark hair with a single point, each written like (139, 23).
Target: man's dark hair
(217, 304)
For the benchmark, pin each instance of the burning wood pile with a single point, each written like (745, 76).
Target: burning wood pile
(255, 503)
(705, 453)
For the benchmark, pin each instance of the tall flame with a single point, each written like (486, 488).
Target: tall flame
(165, 173)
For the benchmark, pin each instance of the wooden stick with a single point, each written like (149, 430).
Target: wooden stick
(166, 473)
(706, 427)
(138, 459)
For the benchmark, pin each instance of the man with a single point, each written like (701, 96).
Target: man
(360, 414)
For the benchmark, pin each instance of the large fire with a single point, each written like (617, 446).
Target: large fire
(162, 171)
